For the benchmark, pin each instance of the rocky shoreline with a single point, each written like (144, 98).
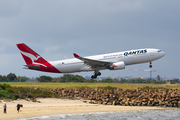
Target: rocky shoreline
(124, 97)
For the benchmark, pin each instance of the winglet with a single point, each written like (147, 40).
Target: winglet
(75, 55)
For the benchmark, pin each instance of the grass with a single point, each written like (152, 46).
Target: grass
(14, 92)
(93, 85)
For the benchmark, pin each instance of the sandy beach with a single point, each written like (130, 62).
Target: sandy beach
(50, 106)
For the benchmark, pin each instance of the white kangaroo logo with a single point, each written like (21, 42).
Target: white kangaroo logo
(33, 58)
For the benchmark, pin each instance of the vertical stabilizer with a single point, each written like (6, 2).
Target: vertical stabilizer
(29, 55)
(35, 61)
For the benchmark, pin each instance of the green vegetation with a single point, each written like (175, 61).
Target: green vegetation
(76, 78)
(9, 92)
(92, 85)
(174, 81)
(144, 81)
(14, 89)
(152, 88)
(76, 81)
(34, 90)
(108, 87)
(71, 78)
(11, 77)
(45, 79)
(108, 80)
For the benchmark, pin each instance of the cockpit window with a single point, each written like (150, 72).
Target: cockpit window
(159, 51)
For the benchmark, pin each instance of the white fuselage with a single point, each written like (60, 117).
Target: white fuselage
(128, 57)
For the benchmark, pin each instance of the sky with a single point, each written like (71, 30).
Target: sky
(56, 29)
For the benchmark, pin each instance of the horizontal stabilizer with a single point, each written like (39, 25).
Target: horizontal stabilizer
(31, 66)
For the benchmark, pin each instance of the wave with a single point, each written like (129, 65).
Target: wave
(125, 115)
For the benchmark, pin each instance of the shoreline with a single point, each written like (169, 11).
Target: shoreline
(52, 106)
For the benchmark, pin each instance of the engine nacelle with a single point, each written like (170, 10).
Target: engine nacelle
(117, 66)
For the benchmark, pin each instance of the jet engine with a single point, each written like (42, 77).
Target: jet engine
(117, 66)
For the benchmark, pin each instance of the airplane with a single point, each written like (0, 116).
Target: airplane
(111, 61)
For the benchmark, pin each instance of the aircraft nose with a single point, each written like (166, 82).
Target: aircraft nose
(163, 53)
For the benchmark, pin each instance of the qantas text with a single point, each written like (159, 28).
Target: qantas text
(135, 52)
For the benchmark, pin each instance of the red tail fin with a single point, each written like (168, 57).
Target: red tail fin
(35, 61)
(29, 55)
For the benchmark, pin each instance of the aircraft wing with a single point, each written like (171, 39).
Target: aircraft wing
(94, 64)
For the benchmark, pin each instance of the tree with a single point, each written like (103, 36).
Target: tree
(71, 78)
(91, 81)
(44, 78)
(23, 78)
(158, 77)
(174, 81)
(107, 80)
(123, 80)
(1, 77)
(115, 80)
(4, 77)
(11, 76)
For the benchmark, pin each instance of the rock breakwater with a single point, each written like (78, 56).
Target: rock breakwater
(125, 97)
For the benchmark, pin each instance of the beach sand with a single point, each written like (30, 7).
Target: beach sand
(50, 106)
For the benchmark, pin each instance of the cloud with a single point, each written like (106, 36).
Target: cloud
(55, 29)
(120, 6)
(51, 49)
(2, 48)
(11, 8)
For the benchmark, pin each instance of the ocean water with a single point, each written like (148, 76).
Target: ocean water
(129, 115)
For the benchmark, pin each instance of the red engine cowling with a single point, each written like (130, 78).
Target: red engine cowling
(117, 66)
